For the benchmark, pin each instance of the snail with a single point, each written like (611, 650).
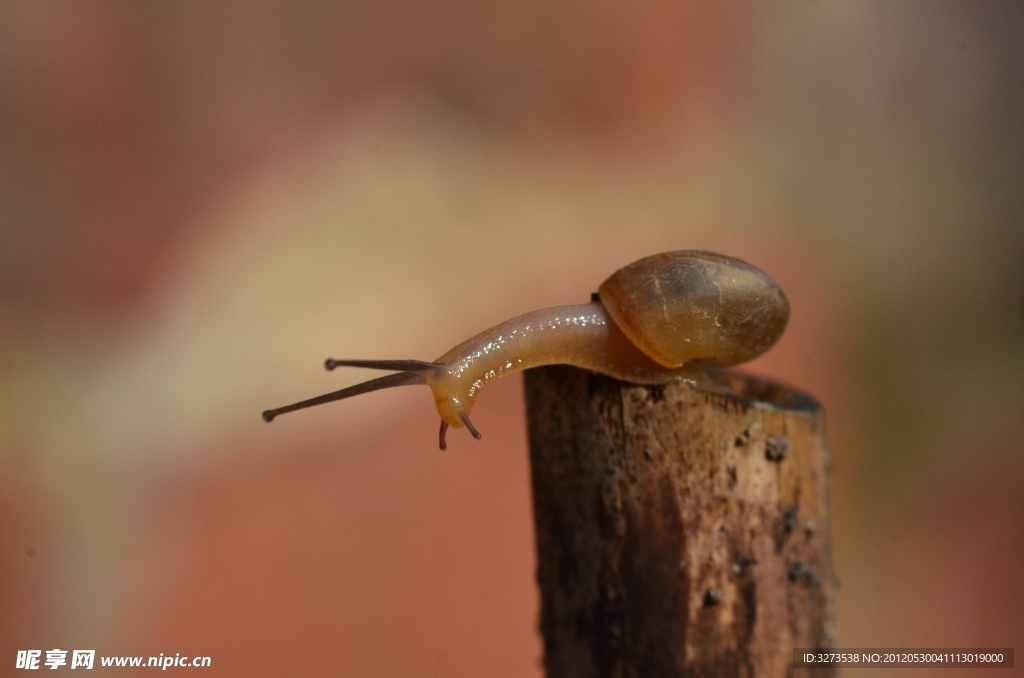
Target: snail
(650, 323)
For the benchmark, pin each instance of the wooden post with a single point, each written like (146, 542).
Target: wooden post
(680, 532)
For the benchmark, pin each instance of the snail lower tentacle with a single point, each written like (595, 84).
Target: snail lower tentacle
(391, 380)
(444, 429)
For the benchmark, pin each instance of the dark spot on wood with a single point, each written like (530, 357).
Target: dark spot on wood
(799, 571)
(796, 569)
(790, 518)
(776, 448)
(656, 393)
(744, 438)
(713, 597)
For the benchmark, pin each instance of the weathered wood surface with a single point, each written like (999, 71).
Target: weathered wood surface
(680, 532)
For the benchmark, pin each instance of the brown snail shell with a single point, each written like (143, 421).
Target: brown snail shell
(696, 305)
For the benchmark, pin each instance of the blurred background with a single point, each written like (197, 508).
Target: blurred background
(200, 201)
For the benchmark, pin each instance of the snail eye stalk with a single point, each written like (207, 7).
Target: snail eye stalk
(391, 380)
(417, 366)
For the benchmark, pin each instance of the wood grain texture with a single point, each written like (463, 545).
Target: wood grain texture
(680, 532)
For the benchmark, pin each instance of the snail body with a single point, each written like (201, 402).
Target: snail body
(651, 322)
